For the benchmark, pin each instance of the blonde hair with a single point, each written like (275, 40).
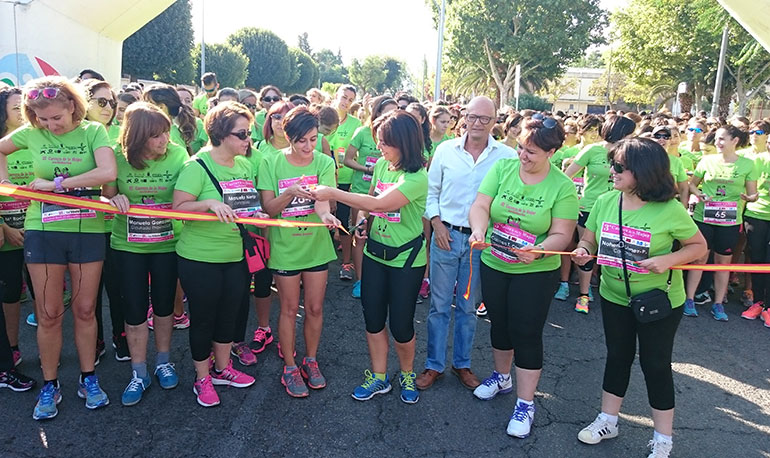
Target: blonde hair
(67, 92)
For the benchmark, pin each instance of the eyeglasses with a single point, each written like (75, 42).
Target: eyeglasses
(548, 123)
(268, 98)
(695, 129)
(618, 167)
(250, 106)
(757, 132)
(103, 101)
(276, 116)
(484, 120)
(46, 92)
(402, 107)
(661, 137)
(241, 134)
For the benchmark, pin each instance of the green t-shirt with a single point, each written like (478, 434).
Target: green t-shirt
(151, 187)
(297, 248)
(199, 140)
(724, 183)
(113, 132)
(201, 103)
(214, 241)
(13, 211)
(686, 162)
(367, 155)
(267, 148)
(319, 146)
(398, 227)
(761, 208)
(70, 154)
(652, 230)
(256, 128)
(563, 153)
(677, 169)
(339, 144)
(520, 214)
(434, 145)
(597, 174)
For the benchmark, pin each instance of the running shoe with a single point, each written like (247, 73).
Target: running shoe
(371, 387)
(520, 424)
(659, 449)
(16, 381)
(425, 288)
(346, 272)
(482, 310)
(719, 312)
(753, 312)
(295, 385)
(167, 377)
(310, 371)
(689, 308)
(409, 393)
(16, 357)
(150, 323)
(101, 349)
(244, 354)
(765, 316)
(120, 344)
(205, 392)
(182, 321)
(597, 431)
(702, 298)
(590, 295)
(493, 385)
(581, 305)
(90, 390)
(563, 293)
(747, 298)
(231, 377)
(47, 400)
(133, 392)
(356, 293)
(32, 320)
(262, 338)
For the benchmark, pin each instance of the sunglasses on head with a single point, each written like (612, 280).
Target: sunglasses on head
(102, 102)
(269, 98)
(241, 134)
(46, 92)
(695, 129)
(548, 123)
(618, 167)
(757, 132)
(662, 136)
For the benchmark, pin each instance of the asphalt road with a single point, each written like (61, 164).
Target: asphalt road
(722, 379)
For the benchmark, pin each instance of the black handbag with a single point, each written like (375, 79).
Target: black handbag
(649, 306)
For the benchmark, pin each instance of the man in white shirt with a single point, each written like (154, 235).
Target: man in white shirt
(454, 177)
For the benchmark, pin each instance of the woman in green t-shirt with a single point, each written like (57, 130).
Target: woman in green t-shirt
(522, 205)
(439, 118)
(186, 129)
(395, 259)
(274, 139)
(652, 220)
(268, 96)
(211, 264)
(69, 155)
(148, 167)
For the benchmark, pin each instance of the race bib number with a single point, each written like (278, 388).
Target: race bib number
(298, 206)
(725, 213)
(579, 183)
(148, 229)
(51, 213)
(506, 238)
(370, 161)
(241, 196)
(340, 157)
(14, 213)
(392, 217)
(637, 243)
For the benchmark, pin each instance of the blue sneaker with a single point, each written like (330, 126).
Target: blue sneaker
(93, 394)
(563, 293)
(590, 295)
(719, 312)
(32, 320)
(689, 308)
(371, 386)
(47, 400)
(133, 392)
(167, 377)
(409, 393)
(356, 290)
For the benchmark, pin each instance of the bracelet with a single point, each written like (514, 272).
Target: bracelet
(541, 248)
(57, 183)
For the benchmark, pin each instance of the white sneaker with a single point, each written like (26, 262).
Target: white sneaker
(492, 385)
(597, 431)
(521, 420)
(660, 449)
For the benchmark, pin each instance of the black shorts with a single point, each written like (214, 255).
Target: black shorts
(721, 239)
(343, 211)
(291, 273)
(49, 247)
(582, 218)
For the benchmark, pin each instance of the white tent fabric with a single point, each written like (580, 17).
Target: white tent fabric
(753, 15)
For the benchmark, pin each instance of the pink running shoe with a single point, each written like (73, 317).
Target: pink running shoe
(425, 288)
(16, 358)
(231, 377)
(262, 338)
(182, 321)
(244, 354)
(753, 312)
(207, 395)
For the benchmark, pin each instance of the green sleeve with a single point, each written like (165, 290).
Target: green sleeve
(99, 137)
(585, 155)
(358, 138)
(20, 136)
(413, 187)
(201, 138)
(191, 178)
(326, 171)
(266, 181)
(754, 173)
(594, 215)
(490, 185)
(677, 169)
(566, 205)
(700, 170)
(682, 225)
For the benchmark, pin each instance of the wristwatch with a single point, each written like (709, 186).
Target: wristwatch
(57, 182)
(541, 248)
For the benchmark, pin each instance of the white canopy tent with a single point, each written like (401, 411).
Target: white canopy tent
(753, 15)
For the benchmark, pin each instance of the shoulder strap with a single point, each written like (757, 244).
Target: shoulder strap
(216, 184)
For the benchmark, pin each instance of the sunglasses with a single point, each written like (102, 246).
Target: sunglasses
(695, 129)
(46, 92)
(213, 89)
(103, 102)
(268, 98)
(453, 118)
(618, 167)
(276, 116)
(251, 106)
(548, 123)
(484, 120)
(241, 134)
(662, 137)
(757, 132)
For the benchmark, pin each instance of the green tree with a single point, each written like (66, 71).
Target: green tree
(161, 49)
(227, 61)
(307, 72)
(542, 36)
(553, 90)
(396, 75)
(592, 59)
(369, 74)
(330, 67)
(269, 59)
(608, 93)
(531, 102)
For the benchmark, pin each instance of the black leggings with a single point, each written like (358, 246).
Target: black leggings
(656, 342)
(262, 281)
(390, 293)
(139, 273)
(110, 281)
(214, 294)
(758, 236)
(6, 354)
(518, 307)
(11, 267)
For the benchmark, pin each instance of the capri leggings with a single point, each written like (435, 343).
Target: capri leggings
(656, 342)
(758, 236)
(110, 281)
(390, 293)
(518, 307)
(11, 267)
(262, 281)
(140, 272)
(214, 293)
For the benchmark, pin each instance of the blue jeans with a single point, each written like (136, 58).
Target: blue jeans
(446, 268)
